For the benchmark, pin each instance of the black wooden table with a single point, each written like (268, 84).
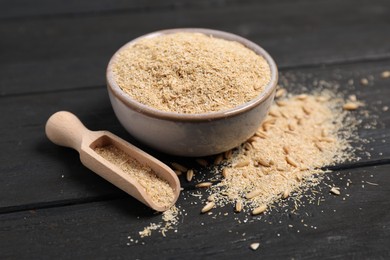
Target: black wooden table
(53, 56)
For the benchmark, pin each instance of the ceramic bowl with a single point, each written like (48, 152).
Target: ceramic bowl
(192, 134)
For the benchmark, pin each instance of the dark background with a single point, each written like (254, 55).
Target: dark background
(53, 56)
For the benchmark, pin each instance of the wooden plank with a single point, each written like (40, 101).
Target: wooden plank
(65, 179)
(354, 225)
(23, 8)
(32, 161)
(72, 52)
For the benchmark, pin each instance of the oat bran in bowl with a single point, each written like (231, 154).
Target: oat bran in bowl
(191, 92)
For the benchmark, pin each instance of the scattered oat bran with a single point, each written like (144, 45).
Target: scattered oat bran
(190, 73)
(335, 191)
(385, 74)
(203, 184)
(190, 175)
(343, 131)
(268, 169)
(159, 190)
(208, 207)
(350, 106)
(364, 81)
(170, 219)
(254, 246)
(179, 167)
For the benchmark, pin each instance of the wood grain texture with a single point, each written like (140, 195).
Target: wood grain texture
(73, 51)
(353, 225)
(33, 161)
(47, 8)
(53, 57)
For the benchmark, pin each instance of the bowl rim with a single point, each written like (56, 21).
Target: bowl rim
(133, 104)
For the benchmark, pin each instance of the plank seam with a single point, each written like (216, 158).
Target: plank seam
(186, 187)
(362, 61)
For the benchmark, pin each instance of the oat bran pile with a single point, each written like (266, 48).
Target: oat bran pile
(301, 135)
(190, 73)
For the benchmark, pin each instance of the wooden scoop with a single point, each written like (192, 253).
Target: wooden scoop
(65, 129)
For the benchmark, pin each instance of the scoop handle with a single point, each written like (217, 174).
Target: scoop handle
(65, 129)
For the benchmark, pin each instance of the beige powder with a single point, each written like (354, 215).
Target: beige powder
(170, 219)
(190, 73)
(159, 190)
(300, 136)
